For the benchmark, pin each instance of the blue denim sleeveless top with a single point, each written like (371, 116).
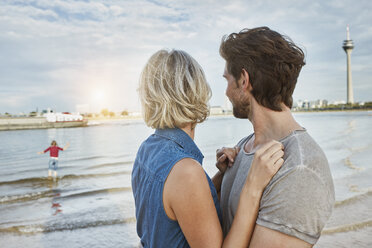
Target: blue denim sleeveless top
(155, 159)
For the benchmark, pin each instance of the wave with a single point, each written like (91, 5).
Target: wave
(110, 164)
(69, 176)
(87, 158)
(33, 170)
(124, 155)
(57, 227)
(350, 165)
(359, 149)
(74, 176)
(25, 197)
(347, 228)
(26, 180)
(353, 199)
(53, 194)
(96, 192)
(94, 123)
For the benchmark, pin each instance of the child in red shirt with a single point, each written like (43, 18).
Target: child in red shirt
(53, 161)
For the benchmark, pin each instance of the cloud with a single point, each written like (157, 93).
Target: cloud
(69, 47)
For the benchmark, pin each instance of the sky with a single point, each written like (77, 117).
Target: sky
(59, 54)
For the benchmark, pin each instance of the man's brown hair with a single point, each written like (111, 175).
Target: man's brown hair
(272, 61)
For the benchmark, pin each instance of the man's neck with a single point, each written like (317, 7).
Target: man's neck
(271, 125)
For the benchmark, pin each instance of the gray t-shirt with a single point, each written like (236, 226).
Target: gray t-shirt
(297, 201)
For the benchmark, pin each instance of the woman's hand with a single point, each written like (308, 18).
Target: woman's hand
(266, 162)
(225, 157)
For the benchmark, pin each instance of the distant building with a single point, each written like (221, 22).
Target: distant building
(47, 111)
(216, 110)
(338, 102)
(303, 104)
(21, 114)
(306, 105)
(319, 104)
(62, 117)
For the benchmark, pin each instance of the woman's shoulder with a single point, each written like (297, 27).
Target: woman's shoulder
(188, 167)
(187, 174)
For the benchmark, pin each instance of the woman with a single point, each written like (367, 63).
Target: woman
(176, 201)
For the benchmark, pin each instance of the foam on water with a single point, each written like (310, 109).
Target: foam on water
(66, 226)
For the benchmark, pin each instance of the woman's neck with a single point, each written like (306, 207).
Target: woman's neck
(189, 129)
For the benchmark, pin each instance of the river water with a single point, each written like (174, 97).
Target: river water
(91, 205)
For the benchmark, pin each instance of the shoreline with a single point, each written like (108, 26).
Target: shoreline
(331, 110)
(25, 123)
(28, 123)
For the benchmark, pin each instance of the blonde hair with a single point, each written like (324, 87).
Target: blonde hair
(173, 90)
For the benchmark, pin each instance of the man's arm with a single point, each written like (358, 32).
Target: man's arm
(293, 210)
(267, 238)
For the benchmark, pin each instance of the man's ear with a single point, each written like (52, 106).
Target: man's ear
(246, 84)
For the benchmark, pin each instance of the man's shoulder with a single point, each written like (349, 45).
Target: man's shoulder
(304, 160)
(300, 137)
(305, 149)
(299, 199)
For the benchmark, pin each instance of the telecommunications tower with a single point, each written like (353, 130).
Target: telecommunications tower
(348, 47)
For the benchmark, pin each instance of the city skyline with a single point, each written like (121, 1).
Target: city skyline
(65, 53)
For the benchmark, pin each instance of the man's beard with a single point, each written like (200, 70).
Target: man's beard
(241, 110)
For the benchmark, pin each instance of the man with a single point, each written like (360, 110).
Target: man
(261, 70)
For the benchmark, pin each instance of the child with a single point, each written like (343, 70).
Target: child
(53, 161)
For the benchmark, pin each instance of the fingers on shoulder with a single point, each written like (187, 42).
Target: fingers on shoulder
(229, 152)
(278, 164)
(270, 147)
(271, 150)
(221, 159)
